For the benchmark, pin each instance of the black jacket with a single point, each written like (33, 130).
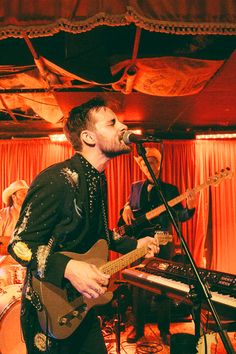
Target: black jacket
(61, 212)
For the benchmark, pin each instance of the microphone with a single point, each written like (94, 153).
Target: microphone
(129, 137)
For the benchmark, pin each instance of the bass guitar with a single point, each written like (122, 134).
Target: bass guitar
(62, 310)
(145, 219)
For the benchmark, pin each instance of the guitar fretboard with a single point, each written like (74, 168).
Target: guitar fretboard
(157, 211)
(122, 262)
(213, 180)
(115, 266)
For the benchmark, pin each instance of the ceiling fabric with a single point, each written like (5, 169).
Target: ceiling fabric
(166, 76)
(180, 49)
(46, 18)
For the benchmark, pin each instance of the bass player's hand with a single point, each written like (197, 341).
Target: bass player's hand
(128, 215)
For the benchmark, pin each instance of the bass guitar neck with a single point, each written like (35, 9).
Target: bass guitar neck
(145, 219)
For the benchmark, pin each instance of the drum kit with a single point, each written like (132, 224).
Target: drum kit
(11, 282)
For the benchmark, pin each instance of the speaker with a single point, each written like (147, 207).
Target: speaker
(183, 343)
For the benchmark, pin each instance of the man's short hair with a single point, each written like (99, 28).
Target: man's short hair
(80, 119)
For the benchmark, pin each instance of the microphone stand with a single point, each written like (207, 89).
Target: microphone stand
(118, 319)
(201, 289)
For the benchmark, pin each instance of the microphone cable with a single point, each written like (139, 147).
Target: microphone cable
(150, 347)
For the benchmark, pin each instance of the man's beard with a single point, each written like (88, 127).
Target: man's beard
(112, 153)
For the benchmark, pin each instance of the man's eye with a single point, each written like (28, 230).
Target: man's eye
(113, 122)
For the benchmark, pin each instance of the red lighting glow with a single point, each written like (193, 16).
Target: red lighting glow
(58, 138)
(216, 136)
(137, 131)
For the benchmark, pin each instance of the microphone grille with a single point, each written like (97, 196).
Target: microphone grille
(126, 136)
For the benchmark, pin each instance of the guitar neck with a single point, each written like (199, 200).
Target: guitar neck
(120, 263)
(214, 180)
(157, 211)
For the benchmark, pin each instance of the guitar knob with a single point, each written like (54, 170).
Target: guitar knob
(63, 321)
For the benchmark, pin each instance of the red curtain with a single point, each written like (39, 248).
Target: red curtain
(218, 204)
(211, 232)
(25, 158)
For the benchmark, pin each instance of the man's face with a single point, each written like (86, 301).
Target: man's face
(109, 131)
(18, 197)
(155, 165)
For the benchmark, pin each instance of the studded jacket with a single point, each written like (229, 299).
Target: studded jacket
(64, 210)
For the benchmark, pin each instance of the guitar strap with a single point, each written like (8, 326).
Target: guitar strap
(103, 191)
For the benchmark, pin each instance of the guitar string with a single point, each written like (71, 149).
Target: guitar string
(121, 262)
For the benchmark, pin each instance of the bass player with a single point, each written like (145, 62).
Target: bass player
(143, 198)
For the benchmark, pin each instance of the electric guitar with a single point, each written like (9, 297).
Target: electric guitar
(62, 310)
(145, 219)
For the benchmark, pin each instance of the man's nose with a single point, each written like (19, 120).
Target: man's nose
(123, 126)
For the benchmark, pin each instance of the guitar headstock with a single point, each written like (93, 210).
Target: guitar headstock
(220, 176)
(163, 237)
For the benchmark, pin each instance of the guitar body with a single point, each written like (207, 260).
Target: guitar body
(60, 315)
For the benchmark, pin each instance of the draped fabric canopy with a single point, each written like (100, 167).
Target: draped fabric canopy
(55, 45)
(45, 18)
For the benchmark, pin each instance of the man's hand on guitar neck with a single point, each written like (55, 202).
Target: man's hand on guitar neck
(127, 214)
(86, 278)
(153, 245)
(191, 199)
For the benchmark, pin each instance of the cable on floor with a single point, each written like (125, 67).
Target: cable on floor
(149, 347)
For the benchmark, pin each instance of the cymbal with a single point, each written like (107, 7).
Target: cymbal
(4, 242)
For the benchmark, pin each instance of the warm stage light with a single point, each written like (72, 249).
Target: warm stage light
(215, 136)
(137, 131)
(58, 138)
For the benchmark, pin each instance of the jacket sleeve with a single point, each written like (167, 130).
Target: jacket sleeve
(33, 240)
(133, 200)
(122, 244)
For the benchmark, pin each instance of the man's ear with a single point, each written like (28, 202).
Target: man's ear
(88, 137)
